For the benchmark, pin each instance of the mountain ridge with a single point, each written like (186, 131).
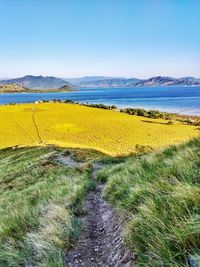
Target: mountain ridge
(134, 82)
(46, 82)
(77, 81)
(37, 82)
(168, 81)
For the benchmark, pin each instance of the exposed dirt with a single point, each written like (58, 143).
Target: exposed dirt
(69, 161)
(100, 243)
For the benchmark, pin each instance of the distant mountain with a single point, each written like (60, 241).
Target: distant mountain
(86, 79)
(50, 82)
(190, 79)
(168, 81)
(37, 82)
(153, 81)
(113, 82)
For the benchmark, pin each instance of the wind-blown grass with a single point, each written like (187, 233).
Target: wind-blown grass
(38, 198)
(160, 192)
(71, 125)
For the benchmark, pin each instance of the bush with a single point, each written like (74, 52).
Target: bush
(100, 106)
(170, 122)
(144, 113)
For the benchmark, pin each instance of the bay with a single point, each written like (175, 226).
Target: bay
(183, 100)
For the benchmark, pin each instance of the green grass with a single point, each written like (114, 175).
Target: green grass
(160, 194)
(38, 200)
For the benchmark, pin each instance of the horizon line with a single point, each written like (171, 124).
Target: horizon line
(103, 76)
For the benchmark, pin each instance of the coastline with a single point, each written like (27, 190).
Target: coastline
(29, 91)
(170, 116)
(185, 101)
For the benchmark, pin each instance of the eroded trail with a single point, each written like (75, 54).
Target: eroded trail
(100, 243)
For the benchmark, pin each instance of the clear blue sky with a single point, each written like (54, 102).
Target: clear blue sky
(69, 38)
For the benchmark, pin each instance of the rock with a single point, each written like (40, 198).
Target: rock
(114, 259)
(194, 260)
(128, 264)
(96, 249)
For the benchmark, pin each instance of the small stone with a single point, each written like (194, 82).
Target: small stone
(92, 259)
(128, 264)
(117, 239)
(96, 249)
(115, 257)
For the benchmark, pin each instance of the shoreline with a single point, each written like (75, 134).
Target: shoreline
(166, 115)
(185, 102)
(38, 91)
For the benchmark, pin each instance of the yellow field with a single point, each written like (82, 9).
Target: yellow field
(72, 125)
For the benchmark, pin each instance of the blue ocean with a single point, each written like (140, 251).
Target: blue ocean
(183, 100)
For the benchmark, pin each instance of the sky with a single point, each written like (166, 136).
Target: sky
(74, 38)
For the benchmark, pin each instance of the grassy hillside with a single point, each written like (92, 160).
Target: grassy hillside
(160, 194)
(71, 125)
(38, 200)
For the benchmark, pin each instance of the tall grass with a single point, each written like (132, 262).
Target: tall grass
(161, 194)
(37, 199)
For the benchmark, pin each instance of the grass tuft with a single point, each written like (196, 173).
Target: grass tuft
(161, 193)
(38, 198)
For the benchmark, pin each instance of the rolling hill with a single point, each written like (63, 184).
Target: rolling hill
(17, 88)
(12, 88)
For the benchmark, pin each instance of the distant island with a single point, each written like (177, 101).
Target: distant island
(51, 83)
(17, 88)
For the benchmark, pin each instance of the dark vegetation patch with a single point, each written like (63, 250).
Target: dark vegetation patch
(156, 114)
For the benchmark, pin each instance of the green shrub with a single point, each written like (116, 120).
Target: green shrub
(146, 113)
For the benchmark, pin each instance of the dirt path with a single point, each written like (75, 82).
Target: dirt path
(100, 243)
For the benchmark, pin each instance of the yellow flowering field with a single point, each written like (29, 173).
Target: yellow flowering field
(73, 125)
